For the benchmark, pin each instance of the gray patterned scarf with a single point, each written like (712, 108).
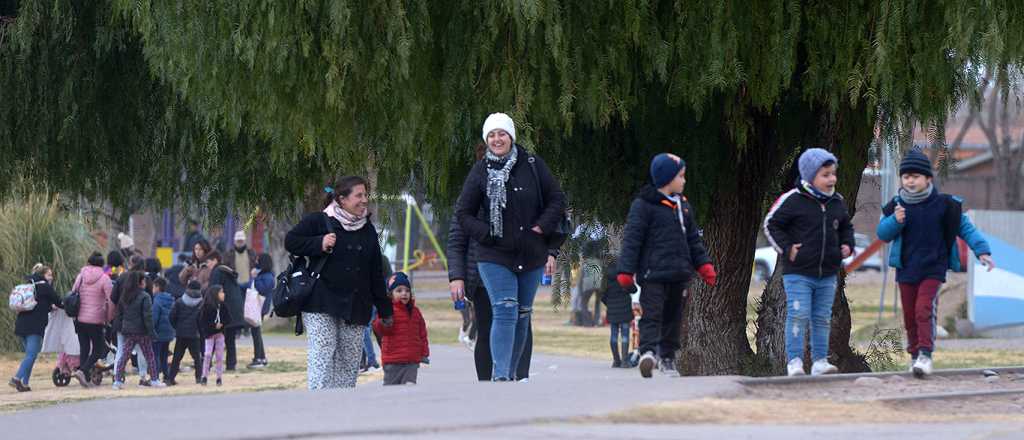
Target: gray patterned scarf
(918, 197)
(496, 179)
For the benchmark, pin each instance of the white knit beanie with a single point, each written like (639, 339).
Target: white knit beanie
(499, 121)
(125, 240)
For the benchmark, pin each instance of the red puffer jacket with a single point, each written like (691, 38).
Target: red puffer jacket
(405, 342)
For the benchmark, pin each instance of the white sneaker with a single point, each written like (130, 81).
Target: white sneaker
(923, 366)
(795, 367)
(667, 366)
(910, 366)
(647, 363)
(157, 384)
(821, 366)
(118, 385)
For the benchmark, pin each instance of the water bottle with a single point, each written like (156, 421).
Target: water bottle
(460, 304)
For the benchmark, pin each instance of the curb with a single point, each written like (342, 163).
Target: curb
(784, 380)
(953, 395)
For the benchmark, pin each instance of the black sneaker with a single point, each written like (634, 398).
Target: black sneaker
(616, 364)
(170, 382)
(143, 383)
(220, 382)
(202, 382)
(19, 385)
(82, 380)
(256, 364)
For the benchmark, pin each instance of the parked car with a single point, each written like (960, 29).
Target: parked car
(766, 257)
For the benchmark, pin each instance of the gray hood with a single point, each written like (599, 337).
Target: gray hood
(192, 298)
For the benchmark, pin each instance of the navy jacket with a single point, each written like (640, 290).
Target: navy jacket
(162, 304)
(662, 242)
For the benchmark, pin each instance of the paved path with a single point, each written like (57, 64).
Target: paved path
(448, 403)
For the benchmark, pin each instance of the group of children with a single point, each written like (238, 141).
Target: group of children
(810, 226)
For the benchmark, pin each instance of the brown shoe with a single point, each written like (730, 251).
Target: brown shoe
(82, 380)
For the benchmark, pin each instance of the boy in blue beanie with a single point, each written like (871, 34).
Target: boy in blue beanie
(661, 250)
(810, 226)
(923, 226)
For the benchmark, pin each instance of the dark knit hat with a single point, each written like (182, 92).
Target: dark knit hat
(664, 168)
(399, 279)
(916, 162)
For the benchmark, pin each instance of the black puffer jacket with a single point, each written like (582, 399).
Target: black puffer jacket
(234, 298)
(619, 303)
(33, 322)
(352, 281)
(135, 318)
(655, 246)
(211, 315)
(519, 249)
(185, 314)
(462, 257)
(819, 227)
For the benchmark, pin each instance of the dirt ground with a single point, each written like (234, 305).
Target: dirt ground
(287, 370)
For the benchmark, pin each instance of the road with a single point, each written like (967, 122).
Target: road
(448, 403)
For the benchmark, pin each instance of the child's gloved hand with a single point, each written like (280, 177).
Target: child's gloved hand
(707, 273)
(425, 360)
(626, 282)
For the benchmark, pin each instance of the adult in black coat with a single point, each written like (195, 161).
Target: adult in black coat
(510, 204)
(350, 284)
(30, 326)
(234, 300)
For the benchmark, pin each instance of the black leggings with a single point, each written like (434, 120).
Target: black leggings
(193, 346)
(482, 351)
(93, 347)
(230, 337)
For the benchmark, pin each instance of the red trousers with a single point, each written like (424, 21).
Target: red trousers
(920, 302)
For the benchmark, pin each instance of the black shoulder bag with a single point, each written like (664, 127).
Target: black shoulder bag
(555, 238)
(295, 285)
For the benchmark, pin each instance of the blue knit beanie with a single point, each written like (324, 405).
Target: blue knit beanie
(400, 279)
(812, 160)
(916, 162)
(664, 168)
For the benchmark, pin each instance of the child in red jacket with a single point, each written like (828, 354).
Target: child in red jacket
(404, 344)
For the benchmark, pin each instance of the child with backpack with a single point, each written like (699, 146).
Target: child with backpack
(620, 316)
(162, 303)
(134, 320)
(184, 318)
(810, 226)
(923, 226)
(213, 319)
(661, 250)
(404, 344)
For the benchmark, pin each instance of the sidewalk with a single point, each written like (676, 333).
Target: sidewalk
(448, 399)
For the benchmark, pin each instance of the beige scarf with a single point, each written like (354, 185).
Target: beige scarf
(348, 221)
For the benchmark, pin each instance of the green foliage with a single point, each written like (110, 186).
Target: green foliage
(885, 351)
(34, 228)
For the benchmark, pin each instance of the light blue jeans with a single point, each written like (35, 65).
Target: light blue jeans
(33, 344)
(511, 297)
(808, 301)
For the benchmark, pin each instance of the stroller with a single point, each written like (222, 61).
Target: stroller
(61, 338)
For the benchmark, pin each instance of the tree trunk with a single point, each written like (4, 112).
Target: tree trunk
(771, 322)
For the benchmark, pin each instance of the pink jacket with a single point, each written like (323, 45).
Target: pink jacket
(94, 288)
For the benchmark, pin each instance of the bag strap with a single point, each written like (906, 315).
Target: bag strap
(320, 264)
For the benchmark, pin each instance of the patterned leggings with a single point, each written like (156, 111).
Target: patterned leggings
(214, 344)
(145, 344)
(335, 349)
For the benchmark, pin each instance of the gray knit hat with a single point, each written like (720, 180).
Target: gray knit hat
(813, 159)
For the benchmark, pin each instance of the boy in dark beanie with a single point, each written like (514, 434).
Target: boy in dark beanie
(404, 344)
(810, 226)
(661, 250)
(923, 226)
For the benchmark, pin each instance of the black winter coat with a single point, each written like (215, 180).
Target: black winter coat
(618, 302)
(234, 298)
(519, 249)
(655, 246)
(462, 257)
(136, 317)
(210, 316)
(33, 322)
(185, 314)
(352, 281)
(819, 227)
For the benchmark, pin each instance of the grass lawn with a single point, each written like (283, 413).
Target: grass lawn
(287, 371)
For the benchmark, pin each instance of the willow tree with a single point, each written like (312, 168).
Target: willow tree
(737, 87)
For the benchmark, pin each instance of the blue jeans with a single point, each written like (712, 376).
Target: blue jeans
(808, 299)
(511, 296)
(33, 344)
(371, 356)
